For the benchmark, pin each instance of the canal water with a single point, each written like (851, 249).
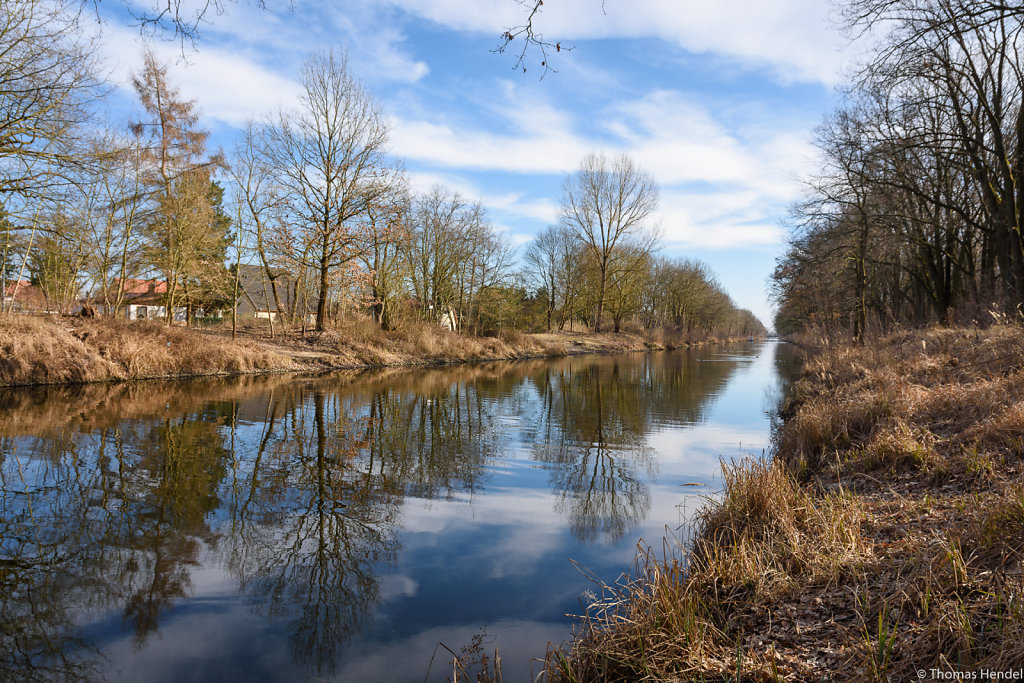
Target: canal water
(342, 527)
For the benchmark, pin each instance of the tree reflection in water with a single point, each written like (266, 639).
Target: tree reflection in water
(309, 524)
(295, 487)
(594, 427)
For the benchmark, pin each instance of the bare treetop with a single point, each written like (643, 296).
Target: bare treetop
(181, 19)
(47, 80)
(329, 155)
(607, 204)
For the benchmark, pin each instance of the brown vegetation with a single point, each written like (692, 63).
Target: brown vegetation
(359, 342)
(885, 537)
(100, 405)
(43, 350)
(68, 350)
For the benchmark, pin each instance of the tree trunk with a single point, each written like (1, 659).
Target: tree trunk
(321, 304)
(600, 298)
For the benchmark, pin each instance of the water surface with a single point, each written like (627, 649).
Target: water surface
(340, 527)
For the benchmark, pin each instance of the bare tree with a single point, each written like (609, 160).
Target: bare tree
(963, 59)
(917, 213)
(383, 241)
(530, 38)
(179, 19)
(569, 281)
(330, 157)
(436, 246)
(606, 205)
(628, 279)
(543, 265)
(120, 169)
(47, 80)
(260, 206)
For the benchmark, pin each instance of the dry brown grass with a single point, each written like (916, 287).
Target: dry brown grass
(702, 616)
(93, 406)
(36, 350)
(886, 537)
(68, 350)
(359, 342)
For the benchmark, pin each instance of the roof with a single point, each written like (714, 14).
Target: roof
(145, 300)
(25, 294)
(251, 279)
(136, 286)
(20, 285)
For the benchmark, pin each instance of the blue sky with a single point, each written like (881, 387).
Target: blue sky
(718, 100)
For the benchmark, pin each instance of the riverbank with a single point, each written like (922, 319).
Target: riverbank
(884, 539)
(40, 351)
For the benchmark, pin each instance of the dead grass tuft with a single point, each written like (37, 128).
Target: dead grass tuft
(359, 342)
(685, 617)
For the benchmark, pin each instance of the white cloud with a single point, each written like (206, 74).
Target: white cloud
(720, 178)
(723, 235)
(249, 63)
(377, 45)
(723, 173)
(226, 86)
(717, 219)
(681, 142)
(514, 204)
(397, 586)
(519, 151)
(794, 38)
(545, 210)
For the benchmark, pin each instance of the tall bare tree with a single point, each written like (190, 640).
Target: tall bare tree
(607, 206)
(963, 59)
(260, 206)
(917, 214)
(329, 155)
(383, 242)
(437, 244)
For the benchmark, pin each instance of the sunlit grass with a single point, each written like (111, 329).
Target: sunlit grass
(66, 350)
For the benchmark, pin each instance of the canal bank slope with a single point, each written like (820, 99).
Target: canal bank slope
(65, 350)
(885, 538)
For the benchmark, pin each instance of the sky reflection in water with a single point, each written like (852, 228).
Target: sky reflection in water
(340, 527)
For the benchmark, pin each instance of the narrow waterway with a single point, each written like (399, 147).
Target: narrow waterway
(341, 527)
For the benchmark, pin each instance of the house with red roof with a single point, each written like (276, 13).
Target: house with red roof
(146, 299)
(23, 296)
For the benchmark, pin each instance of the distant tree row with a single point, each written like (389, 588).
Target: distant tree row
(641, 288)
(916, 215)
(311, 197)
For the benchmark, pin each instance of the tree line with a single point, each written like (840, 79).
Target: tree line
(916, 214)
(310, 196)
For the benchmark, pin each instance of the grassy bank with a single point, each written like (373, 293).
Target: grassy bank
(73, 350)
(43, 350)
(885, 538)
